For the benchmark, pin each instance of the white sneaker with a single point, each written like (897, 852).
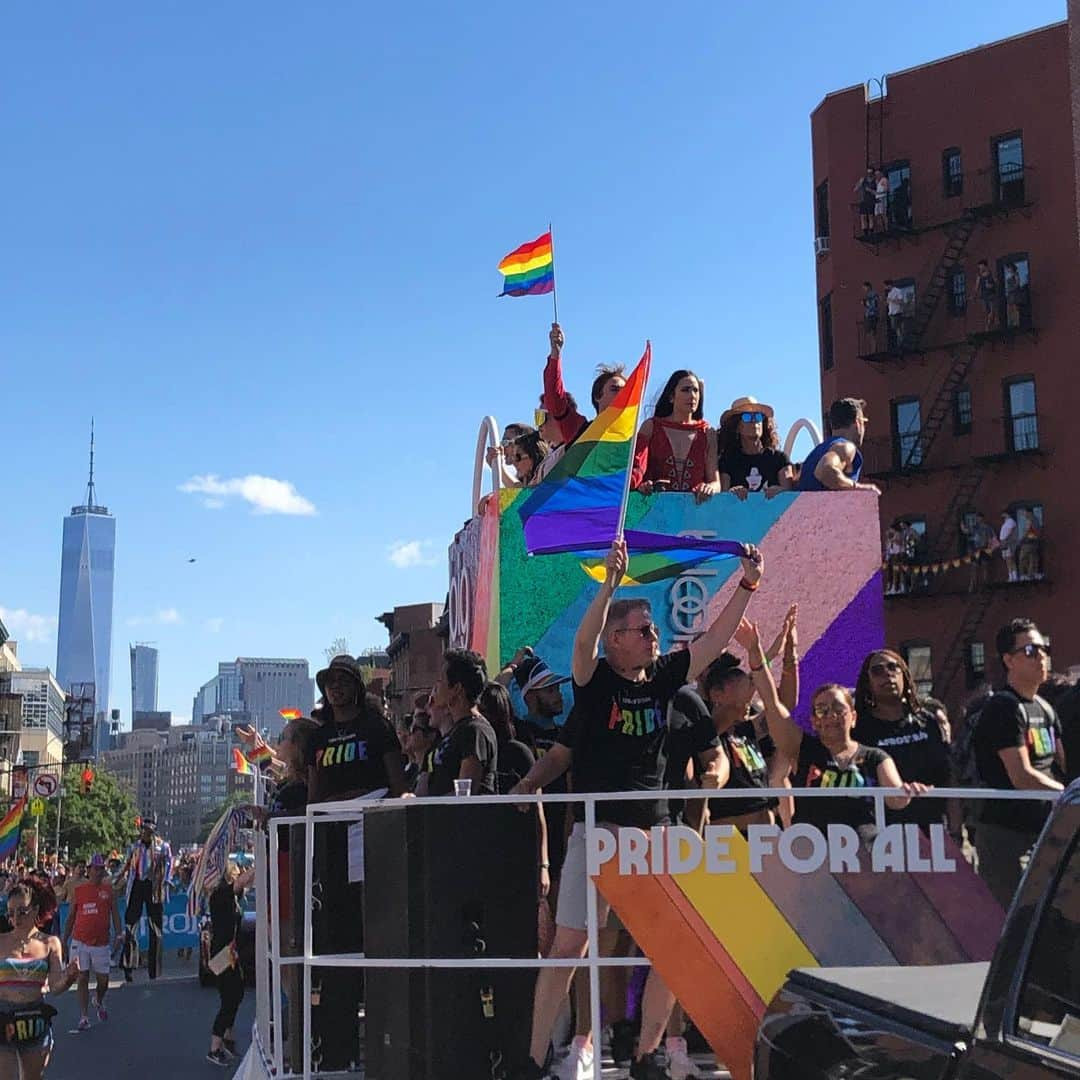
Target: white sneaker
(578, 1063)
(679, 1064)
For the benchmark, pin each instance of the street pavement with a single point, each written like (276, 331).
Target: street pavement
(158, 1030)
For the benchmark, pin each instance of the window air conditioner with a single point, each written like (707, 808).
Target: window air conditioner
(821, 245)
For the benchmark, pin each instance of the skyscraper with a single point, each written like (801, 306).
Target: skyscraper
(84, 634)
(144, 679)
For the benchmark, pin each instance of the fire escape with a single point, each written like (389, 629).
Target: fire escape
(910, 450)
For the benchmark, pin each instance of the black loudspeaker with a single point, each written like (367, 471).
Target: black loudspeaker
(448, 881)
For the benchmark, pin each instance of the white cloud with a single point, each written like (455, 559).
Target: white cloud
(265, 494)
(406, 553)
(213, 626)
(24, 625)
(164, 617)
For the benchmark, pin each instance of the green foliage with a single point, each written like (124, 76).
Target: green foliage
(101, 820)
(209, 819)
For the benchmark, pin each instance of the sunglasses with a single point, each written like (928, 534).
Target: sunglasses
(837, 708)
(752, 417)
(885, 667)
(647, 631)
(540, 418)
(1031, 650)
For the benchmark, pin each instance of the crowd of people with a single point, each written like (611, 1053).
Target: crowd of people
(677, 450)
(699, 716)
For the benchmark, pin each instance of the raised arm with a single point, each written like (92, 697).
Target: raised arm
(705, 649)
(786, 734)
(587, 639)
(556, 399)
(787, 643)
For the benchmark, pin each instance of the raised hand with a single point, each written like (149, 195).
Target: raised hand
(746, 634)
(555, 336)
(753, 564)
(615, 563)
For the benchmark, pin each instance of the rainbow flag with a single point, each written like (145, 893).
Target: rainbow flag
(290, 714)
(241, 763)
(10, 828)
(577, 505)
(530, 269)
(260, 754)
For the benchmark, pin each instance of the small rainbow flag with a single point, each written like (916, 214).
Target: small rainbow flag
(241, 763)
(10, 828)
(290, 714)
(530, 269)
(260, 754)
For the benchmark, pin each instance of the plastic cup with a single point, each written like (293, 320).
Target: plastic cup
(462, 787)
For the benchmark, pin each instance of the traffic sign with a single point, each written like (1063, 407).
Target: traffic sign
(46, 784)
(37, 807)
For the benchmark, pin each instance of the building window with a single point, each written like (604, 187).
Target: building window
(825, 319)
(30, 758)
(920, 663)
(957, 291)
(952, 172)
(821, 206)
(899, 174)
(907, 433)
(976, 663)
(1021, 418)
(1008, 169)
(962, 415)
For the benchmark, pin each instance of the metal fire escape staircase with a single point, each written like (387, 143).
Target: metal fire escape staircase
(977, 607)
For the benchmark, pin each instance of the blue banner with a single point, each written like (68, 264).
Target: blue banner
(179, 930)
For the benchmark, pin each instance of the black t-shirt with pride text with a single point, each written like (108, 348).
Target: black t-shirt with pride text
(1007, 721)
(618, 731)
(351, 760)
(817, 769)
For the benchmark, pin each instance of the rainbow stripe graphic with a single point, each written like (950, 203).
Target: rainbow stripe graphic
(241, 763)
(10, 829)
(530, 269)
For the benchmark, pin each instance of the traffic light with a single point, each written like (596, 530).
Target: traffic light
(87, 780)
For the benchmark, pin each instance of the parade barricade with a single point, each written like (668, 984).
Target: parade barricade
(723, 916)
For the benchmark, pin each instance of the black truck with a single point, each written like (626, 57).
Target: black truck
(1017, 1016)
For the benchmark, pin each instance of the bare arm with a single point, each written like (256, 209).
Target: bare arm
(888, 775)
(60, 977)
(542, 851)
(786, 734)
(548, 768)
(715, 773)
(1022, 776)
(705, 649)
(587, 638)
(832, 469)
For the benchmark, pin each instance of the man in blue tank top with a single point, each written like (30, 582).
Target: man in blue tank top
(836, 464)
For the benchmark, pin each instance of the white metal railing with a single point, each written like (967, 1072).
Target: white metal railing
(268, 1027)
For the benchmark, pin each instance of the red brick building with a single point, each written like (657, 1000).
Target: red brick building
(969, 410)
(415, 651)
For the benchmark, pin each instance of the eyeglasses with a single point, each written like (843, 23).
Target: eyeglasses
(540, 418)
(1032, 649)
(837, 708)
(752, 417)
(647, 631)
(885, 667)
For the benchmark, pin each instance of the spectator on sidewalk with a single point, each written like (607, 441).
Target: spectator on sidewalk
(1018, 747)
(836, 464)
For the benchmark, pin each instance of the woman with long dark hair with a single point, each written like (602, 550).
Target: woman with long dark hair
(30, 959)
(525, 455)
(676, 448)
(750, 458)
(892, 717)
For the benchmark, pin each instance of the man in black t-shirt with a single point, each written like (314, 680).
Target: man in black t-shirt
(468, 750)
(617, 740)
(1018, 747)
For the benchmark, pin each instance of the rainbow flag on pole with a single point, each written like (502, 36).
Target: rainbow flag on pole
(579, 505)
(241, 763)
(530, 269)
(10, 828)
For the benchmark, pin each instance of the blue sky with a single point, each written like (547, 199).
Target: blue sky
(260, 241)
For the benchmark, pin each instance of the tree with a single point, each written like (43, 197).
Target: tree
(209, 819)
(101, 820)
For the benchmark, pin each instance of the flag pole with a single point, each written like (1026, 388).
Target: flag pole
(554, 293)
(633, 444)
